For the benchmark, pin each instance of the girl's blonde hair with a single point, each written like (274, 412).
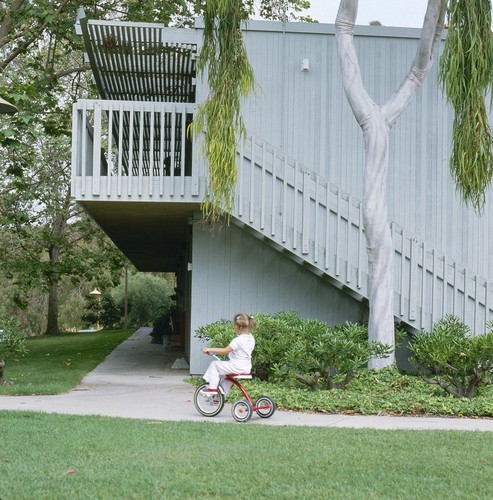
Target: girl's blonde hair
(244, 322)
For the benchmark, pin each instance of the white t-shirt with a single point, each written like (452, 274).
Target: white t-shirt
(242, 346)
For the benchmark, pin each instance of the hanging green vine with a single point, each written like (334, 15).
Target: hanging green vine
(230, 78)
(466, 69)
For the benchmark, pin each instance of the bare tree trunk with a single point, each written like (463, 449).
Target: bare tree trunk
(52, 327)
(375, 122)
(379, 244)
(58, 228)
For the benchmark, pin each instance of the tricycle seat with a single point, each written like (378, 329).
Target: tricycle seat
(240, 376)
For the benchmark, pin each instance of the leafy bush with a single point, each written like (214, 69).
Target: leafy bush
(273, 337)
(329, 357)
(370, 392)
(219, 333)
(111, 315)
(103, 311)
(92, 312)
(453, 359)
(310, 351)
(12, 341)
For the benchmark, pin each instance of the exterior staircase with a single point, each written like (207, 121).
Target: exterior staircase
(316, 224)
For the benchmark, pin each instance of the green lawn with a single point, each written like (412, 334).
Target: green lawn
(54, 365)
(60, 457)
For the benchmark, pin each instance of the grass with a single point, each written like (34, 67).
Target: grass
(54, 365)
(58, 456)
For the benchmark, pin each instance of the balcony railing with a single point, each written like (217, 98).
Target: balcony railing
(132, 148)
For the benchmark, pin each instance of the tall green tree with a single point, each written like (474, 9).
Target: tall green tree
(45, 237)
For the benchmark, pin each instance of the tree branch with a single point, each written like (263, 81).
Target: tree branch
(71, 71)
(359, 100)
(6, 23)
(429, 42)
(312, 382)
(29, 41)
(446, 387)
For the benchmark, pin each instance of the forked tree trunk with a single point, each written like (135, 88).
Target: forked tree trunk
(375, 122)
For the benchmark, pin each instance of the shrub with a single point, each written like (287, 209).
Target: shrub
(453, 359)
(103, 311)
(273, 336)
(218, 334)
(12, 341)
(311, 351)
(92, 311)
(111, 314)
(329, 357)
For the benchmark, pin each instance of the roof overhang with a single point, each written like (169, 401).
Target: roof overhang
(141, 61)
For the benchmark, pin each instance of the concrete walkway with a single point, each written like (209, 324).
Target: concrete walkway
(137, 381)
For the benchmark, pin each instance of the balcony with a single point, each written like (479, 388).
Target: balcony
(133, 150)
(126, 156)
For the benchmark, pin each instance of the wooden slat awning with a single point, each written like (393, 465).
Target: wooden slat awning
(141, 61)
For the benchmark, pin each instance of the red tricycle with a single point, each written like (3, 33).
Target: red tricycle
(211, 404)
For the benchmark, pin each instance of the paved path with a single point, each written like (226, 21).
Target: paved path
(136, 381)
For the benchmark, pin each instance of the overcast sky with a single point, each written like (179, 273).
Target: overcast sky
(407, 13)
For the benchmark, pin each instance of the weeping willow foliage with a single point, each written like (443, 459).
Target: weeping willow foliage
(230, 78)
(466, 71)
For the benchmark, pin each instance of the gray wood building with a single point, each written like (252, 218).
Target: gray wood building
(296, 240)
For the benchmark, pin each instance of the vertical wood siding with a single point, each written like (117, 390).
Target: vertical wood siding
(300, 185)
(234, 271)
(306, 116)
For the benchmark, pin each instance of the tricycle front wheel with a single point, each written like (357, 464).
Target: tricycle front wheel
(208, 404)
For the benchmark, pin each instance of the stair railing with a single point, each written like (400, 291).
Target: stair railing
(320, 226)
